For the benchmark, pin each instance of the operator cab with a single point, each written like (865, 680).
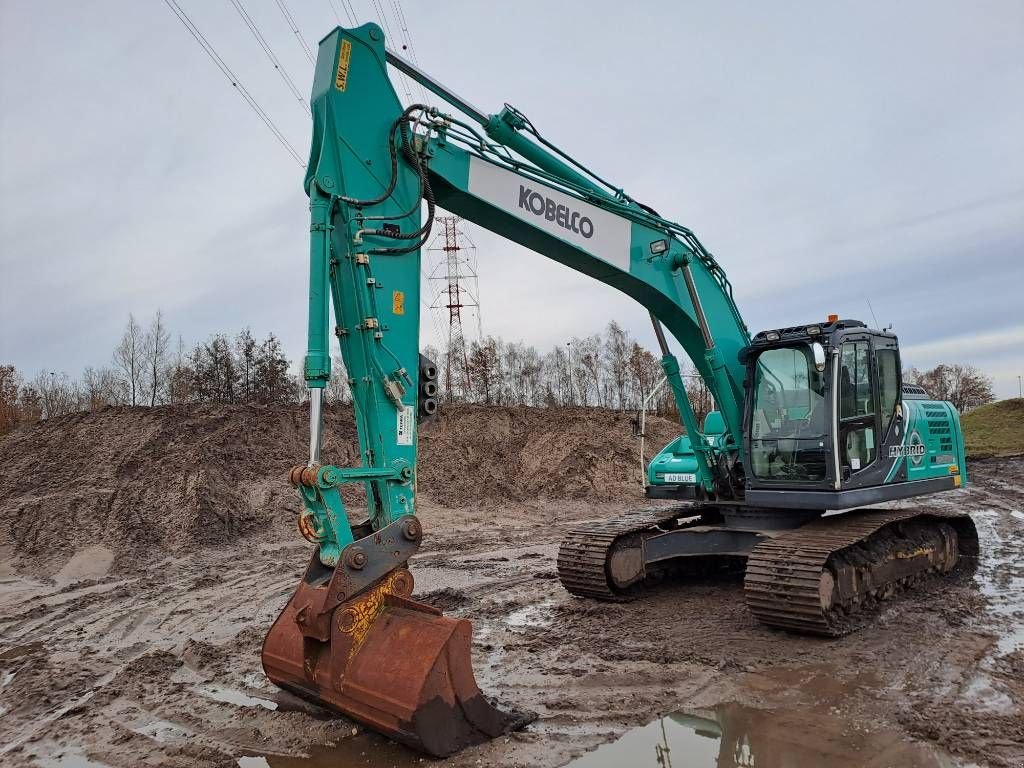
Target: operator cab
(825, 424)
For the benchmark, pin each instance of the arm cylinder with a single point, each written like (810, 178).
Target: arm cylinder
(317, 366)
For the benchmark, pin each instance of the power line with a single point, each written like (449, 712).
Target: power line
(351, 17)
(232, 78)
(295, 29)
(351, 11)
(396, 6)
(382, 17)
(270, 54)
(406, 40)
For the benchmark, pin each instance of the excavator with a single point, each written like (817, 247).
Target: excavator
(812, 422)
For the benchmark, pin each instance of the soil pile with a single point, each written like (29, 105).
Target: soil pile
(169, 478)
(476, 453)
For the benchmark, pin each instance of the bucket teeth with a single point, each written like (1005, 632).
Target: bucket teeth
(394, 664)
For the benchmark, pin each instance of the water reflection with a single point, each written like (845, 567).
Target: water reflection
(736, 736)
(366, 750)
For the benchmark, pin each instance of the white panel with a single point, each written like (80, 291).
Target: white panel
(406, 425)
(596, 231)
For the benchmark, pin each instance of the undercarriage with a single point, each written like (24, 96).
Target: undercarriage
(804, 571)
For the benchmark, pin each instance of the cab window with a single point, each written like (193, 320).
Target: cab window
(888, 365)
(856, 406)
(789, 419)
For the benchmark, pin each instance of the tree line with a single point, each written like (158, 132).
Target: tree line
(146, 369)
(609, 369)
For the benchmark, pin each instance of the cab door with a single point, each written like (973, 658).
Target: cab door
(858, 413)
(868, 404)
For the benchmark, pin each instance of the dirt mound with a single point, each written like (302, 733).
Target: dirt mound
(996, 429)
(151, 480)
(476, 453)
(160, 479)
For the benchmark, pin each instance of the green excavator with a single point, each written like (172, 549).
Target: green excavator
(809, 419)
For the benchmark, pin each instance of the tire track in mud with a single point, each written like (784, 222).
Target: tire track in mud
(147, 644)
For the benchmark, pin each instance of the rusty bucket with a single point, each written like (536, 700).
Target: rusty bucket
(395, 664)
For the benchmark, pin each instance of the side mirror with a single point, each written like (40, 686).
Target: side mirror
(819, 356)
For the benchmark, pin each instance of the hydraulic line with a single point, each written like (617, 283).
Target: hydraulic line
(394, 163)
(414, 160)
(412, 157)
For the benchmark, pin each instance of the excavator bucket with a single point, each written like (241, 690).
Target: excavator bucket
(394, 664)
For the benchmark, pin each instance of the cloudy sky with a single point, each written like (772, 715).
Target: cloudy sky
(829, 154)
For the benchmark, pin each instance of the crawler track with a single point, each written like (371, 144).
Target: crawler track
(826, 577)
(585, 551)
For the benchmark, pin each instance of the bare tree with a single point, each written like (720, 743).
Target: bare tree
(338, 390)
(10, 383)
(513, 387)
(180, 376)
(586, 369)
(558, 384)
(128, 358)
(215, 372)
(617, 348)
(533, 372)
(962, 385)
(483, 368)
(101, 387)
(154, 351)
(30, 404)
(644, 371)
(698, 394)
(245, 348)
(273, 384)
(57, 392)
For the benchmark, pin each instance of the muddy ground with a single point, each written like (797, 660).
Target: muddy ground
(147, 653)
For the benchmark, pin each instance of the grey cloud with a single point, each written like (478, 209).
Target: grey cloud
(817, 150)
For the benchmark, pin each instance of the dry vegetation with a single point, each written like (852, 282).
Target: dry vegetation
(996, 429)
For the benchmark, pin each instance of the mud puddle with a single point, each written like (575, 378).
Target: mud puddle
(363, 751)
(1001, 576)
(232, 696)
(539, 615)
(736, 736)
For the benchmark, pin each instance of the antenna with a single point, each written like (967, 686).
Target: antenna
(871, 309)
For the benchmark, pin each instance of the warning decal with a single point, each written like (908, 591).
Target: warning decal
(406, 424)
(341, 79)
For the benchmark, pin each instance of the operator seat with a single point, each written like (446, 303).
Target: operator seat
(714, 428)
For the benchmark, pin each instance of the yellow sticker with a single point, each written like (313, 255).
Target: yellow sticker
(957, 482)
(341, 79)
(954, 469)
(398, 303)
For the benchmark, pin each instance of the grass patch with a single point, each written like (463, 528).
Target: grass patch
(996, 429)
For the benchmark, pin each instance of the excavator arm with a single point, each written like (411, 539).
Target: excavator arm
(371, 164)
